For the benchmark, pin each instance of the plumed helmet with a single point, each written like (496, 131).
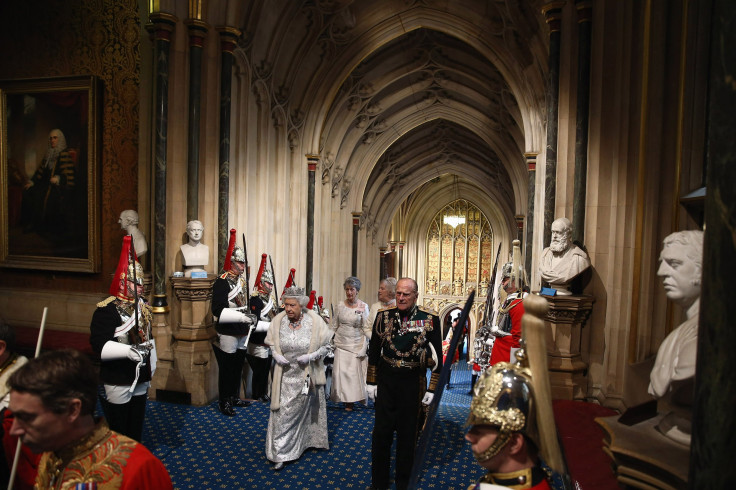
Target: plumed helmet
(230, 249)
(503, 398)
(312, 299)
(238, 254)
(515, 269)
(128, 268)
(264, 275)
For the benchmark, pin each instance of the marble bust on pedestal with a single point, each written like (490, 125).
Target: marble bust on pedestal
(129, 222)
(562, 261)
(195, 254)
(672, 378)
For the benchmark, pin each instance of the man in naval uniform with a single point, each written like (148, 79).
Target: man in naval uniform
(259, 354)
(120, 333)
(233, 326)
(406, 340)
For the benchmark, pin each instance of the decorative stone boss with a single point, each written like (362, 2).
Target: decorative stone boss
(562, 261)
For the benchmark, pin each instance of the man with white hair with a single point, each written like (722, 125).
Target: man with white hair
(47, 196)
(562, 261)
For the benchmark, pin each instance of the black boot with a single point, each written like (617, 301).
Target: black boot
(238, 360)
(226, 407)
(473, 377)
(224, 365)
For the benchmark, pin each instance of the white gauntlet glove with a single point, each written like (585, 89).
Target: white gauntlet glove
(280, 360)
(307, 358)
(428, 396)
(115, 350)
(371, 392)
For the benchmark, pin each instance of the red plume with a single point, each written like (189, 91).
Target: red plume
(261, 268)
(312, 295)
(289, 280)
(319, 302)
(122, 270)
(230, 248)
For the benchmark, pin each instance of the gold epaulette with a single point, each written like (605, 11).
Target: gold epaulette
(385, 308)
(106, 301)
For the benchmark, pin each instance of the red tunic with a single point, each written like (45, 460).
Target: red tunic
(104, 457)
(502, 346)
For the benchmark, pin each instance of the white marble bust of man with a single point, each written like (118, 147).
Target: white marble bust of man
(674, 367)
(562, 261)
(195, 254)
(129, 222)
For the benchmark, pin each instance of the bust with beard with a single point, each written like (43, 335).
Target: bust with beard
(562, 261)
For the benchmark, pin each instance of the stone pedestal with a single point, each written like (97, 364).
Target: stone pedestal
(564, 322)
(191, 367)
(643, 457)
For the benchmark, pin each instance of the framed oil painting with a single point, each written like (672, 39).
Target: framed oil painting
(49, 192)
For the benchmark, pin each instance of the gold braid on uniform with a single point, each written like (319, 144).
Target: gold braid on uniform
(372, 375)
(434, 379)
(387, 337)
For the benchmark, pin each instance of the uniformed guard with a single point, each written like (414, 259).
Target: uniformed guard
(503, 432)
(262, 306)
(120, 333)
(506, 325)
(405, 342)
(233, 325)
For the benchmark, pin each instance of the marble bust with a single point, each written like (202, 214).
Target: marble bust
(195, 254)
(562, 261)
(672, 378)
(129, 222)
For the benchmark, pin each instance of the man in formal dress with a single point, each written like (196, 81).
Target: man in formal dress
(53, 400)
(233, 325)
(406, 341)
(262, 306)
(120, 333)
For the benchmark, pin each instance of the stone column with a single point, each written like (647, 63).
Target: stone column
(531, 161)
(160, 25)
(382, 273)
(228, 37)
(564, 322)
(584, 8)
(713, 444)
(401, 259)
(312, 171)
(197, 32)
(356, 227)
(520, 228)
(553, 15)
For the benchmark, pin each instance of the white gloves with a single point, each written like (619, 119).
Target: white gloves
(363, 352)
(371, 392)
(427, 398)
(280, 360)
(307, 358)
(262, 326)
(115, 350)
(232, 315)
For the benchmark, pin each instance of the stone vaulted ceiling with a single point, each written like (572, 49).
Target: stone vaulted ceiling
(395, 93)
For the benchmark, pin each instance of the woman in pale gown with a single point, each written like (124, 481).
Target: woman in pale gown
(299, 340)
(352, 333)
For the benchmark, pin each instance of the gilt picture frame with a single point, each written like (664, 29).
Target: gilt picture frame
(49, 184)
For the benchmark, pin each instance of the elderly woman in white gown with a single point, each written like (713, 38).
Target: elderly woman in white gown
(352, 333)
(299, 340)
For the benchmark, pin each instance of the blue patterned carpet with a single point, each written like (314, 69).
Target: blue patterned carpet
(204, 449)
